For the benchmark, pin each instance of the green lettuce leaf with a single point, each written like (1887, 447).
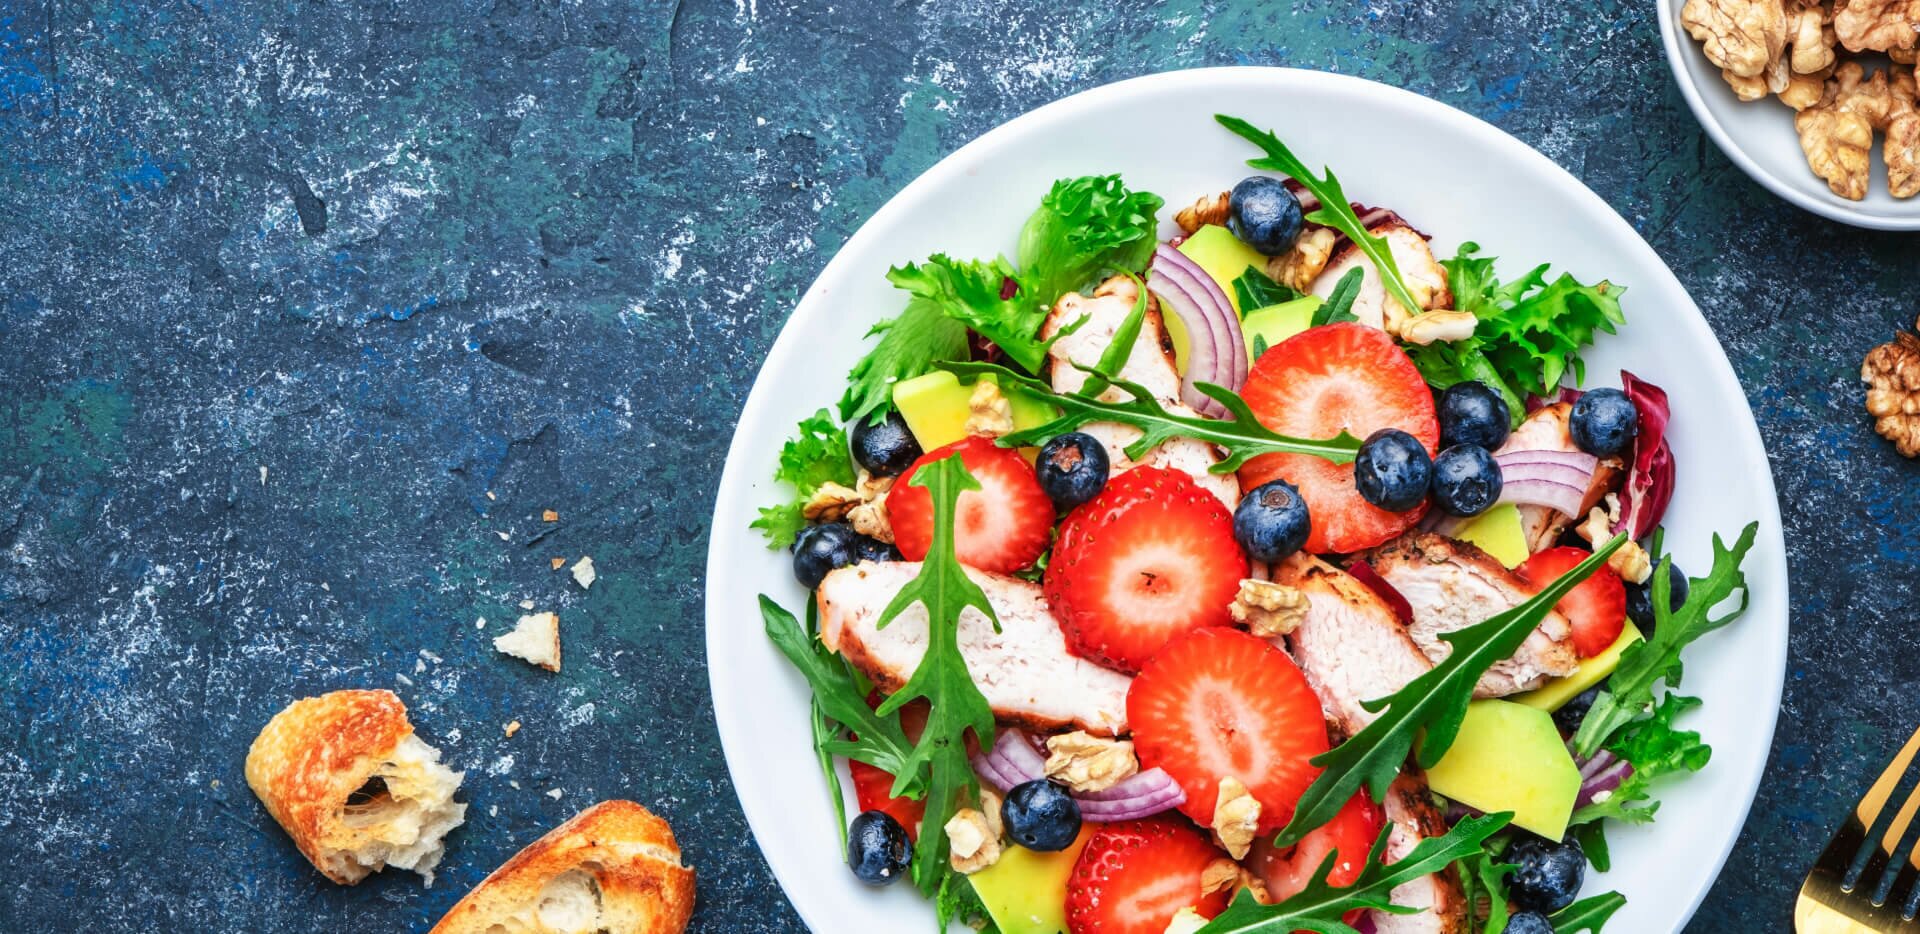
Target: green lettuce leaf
(969, 292)
(909, 346)
(1085, 229)
(817, 454)
(1657, 749)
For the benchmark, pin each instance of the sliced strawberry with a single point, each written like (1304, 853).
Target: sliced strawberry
(1218, 702)
(1597, 606)
(1001, 527)
(1350, 835)
(1152, 556)
(1339, 377)
(1134, 876)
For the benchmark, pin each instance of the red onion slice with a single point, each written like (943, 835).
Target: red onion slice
(1556, 496)
(1570, 476)
(1555, 479)
(1605, 780)
(1133, 786)
(1016, 759)
(1577, 460)
(1164, 798)
(1220, 357)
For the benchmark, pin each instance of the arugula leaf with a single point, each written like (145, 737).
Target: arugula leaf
(970, 292)
(1334, 211)
(817, 454)
(1120, 348)
(1656, 749)
(1629, 691)
(1483, 876)
(1319, 906)
(1339, 304)
(957, 898)
(1588, 914)
(1242, 436)
(1593, 841)
(1255, 289)
(1085, 229)
(837, 695)
(823, 733)
(955, 704)
(1428, 709)
(909, 346)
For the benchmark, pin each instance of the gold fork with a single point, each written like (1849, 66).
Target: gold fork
(1850, 888)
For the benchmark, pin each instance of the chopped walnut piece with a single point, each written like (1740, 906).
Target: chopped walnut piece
(989, 411)
(1877, 25)
(1892, 374)
(1221, 875)
(830, 503)
(1631, 562)
(1443, 325)
(1742, 37)
(1236, 817)
(1804, 91)
(1084, 762)
(1811, 39)
(1598, 526)
(1206, 209)
(1901, 149)
(1268, 609)
(1837, 132)
(990, 802)
(974, 846)
(1297, 268)
(1748, 88)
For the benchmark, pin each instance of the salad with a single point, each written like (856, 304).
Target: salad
(1274, 576)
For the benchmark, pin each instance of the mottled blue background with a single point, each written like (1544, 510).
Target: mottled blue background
(289, 286)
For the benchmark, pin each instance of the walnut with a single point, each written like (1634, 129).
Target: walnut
(1901, 148)
(989, 411)
(973, 845)
(1837, 132)
(865, 508)
(1598, 526)
(1812, 40)
(1442, 325)
(1236, 817)
(1749, 88)
(990, 802)
(1740, 36)
(1225, 875)
(1268, 609)
(1892, 374)
(1084, 762)
(1904, 56)
(1207, 209)
(1803, 91)
(1631, 562)
(830, 503)
(1297, 268)
(1877, 25)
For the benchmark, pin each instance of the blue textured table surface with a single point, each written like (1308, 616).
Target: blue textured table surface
(287, 289)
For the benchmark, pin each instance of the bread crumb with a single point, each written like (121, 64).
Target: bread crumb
(526, 604)
(493, 810)
(480, 623)
(515, 783)
(491, 496)
(263, 475)
(555, 793)
(548, 515)
(583, 573)
(558, 563)
(512, 728)
(535, 638)
(504, 536)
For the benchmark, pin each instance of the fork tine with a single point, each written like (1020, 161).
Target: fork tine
(1868, 812)
(1832, 900)
(1893, 843)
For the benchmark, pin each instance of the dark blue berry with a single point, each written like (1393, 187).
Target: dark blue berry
(1640, 599)
(1549, 873)
(1072, 469)
(1527, 922)
(1392, 470)
(885, 448)
(1470, 413)
(878, 850)
(1466, 481)
(873, 549)
(1265, 215)
(1271, 522)
(1571, 713)
(1040, 815)
(1604, 422)
(821, 548)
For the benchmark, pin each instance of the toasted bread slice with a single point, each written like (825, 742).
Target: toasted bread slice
(613, 867)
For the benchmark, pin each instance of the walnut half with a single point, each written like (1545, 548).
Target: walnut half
(1892, 374)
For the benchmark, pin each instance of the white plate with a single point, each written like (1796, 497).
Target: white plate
(1450, 174)
(1759, 137)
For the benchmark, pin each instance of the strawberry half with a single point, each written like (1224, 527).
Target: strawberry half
(1349, 835)
(1596, 607)
(871, 787)
(1324, 380)
(1218, 702)
(1151, 557)
(1001, 527)
(1134, 876)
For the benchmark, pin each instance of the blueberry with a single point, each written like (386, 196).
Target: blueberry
(1604, 422)
(1465, 480)
(1072, 469)
(821, 548)
(886, 448)
(1549, 875)
(1271, 521)
(873, 549)
(1527, 922)
(1640, 599)
(1264, 214)
(1392, 470)
(1571, 713)
(1040, 815)
(1470, 413)
(878, 850)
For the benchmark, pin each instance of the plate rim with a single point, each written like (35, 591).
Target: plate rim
(732, 489)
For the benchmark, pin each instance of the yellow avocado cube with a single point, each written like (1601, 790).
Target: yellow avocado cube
(1554, 694)
(1497, 531)
(1215, 249)
(935, 408)
(1026, 891)
(1509, 757)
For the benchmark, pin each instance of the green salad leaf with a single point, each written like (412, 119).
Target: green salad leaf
(1657, 749)
(1241, 436)
(1339, 304)
(1255, 289)
(1628, 694)
(909, 346)
(1588, 914)
(970, 292)
(877, 738)
(955, 704)
(1483, 880)
(958, 900)
(1320, 907)
(1086, 229)
(1428, 710)
(817, 454)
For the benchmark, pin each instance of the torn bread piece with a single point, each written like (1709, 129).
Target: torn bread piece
(535, 638)
(353, 786)
(612, 867)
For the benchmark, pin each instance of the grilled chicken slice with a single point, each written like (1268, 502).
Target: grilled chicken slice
(1150, 365)
(1452, 585)
(1412, 818)
(1546, 429)
(1024, 670)
(1351, 647)
(1425, 277)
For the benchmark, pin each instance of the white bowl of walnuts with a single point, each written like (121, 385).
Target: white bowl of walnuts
(1815, 99)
